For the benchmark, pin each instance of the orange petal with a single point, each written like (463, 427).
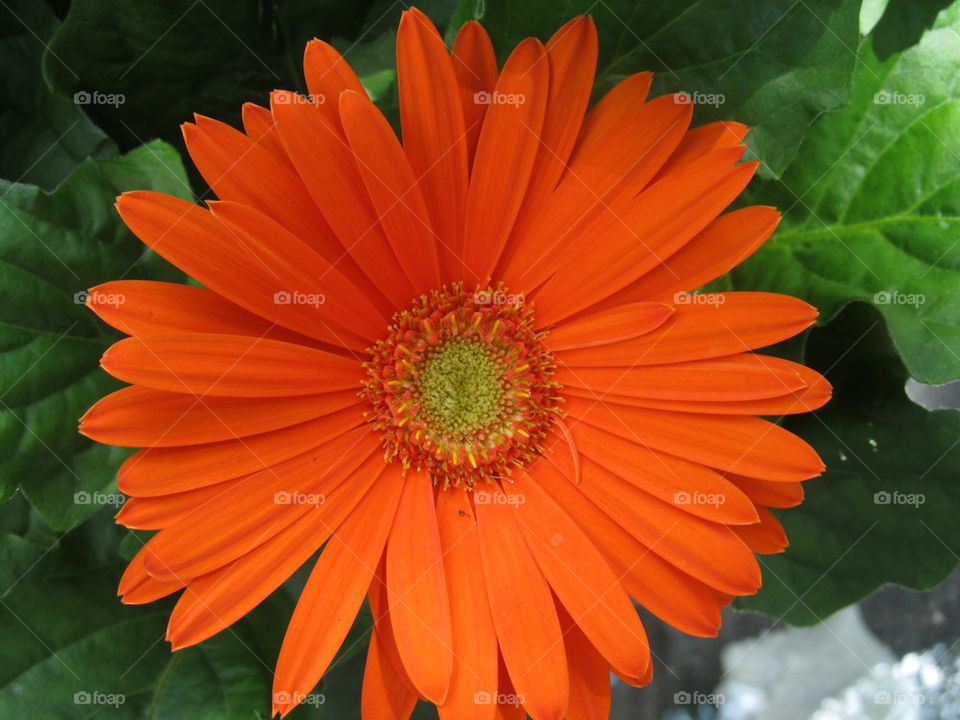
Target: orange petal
(382, 622)
(736, 377)
(215, 601)
(596, 195)
(434, 141)
(258, 124)
(766, 537)
(239, 168)
(608, 326)
(733, 323)
(809, 398)
(660, 587)
(639, 233)
(147, 307)
(393, 190)
(327, 75)
(159, 471)
(589, 673)
(419, 609)
(154, 513)
(474, 637)
(340, 302)
(508, 146)
(561, 450)
(137, 587)
(581, 579)
(702, 140)
(334, 592)
(719, 247)
(257, 120)
(624, 99)
(770, 494)
(252, 274)
(475, 66)
(328, 168)
(257, 508)
(710, 552)
(572, 57)
(385, 696)
(691, 487)
(508, 704)
(744, 445)
(641, 681)
(229, 366)
(526, 622)
(137, 417)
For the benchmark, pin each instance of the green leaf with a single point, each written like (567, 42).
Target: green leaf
(147, 67)
(299, 21)
(166, 61)
(885, 510)
(52, 248)
(72, 650)
(902, 24)
(872, 205)
(44, 136)
(774, 65)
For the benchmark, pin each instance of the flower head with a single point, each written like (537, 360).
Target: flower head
(467, 368)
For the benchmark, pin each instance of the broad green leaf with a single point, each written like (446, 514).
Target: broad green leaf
(301, 20)
(903, 23)
(872, 205)
(166, 61)
(885, 510)
(147, 67)
(44, 136)
(773, 65)
(72, 650)
(53, 246)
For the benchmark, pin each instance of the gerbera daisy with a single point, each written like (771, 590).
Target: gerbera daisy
(467, 369)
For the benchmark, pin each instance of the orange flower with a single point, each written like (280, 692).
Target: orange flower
(468, 367)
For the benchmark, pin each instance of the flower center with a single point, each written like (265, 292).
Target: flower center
(462, 386)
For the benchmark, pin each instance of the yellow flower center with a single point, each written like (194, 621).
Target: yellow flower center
(462, 386)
